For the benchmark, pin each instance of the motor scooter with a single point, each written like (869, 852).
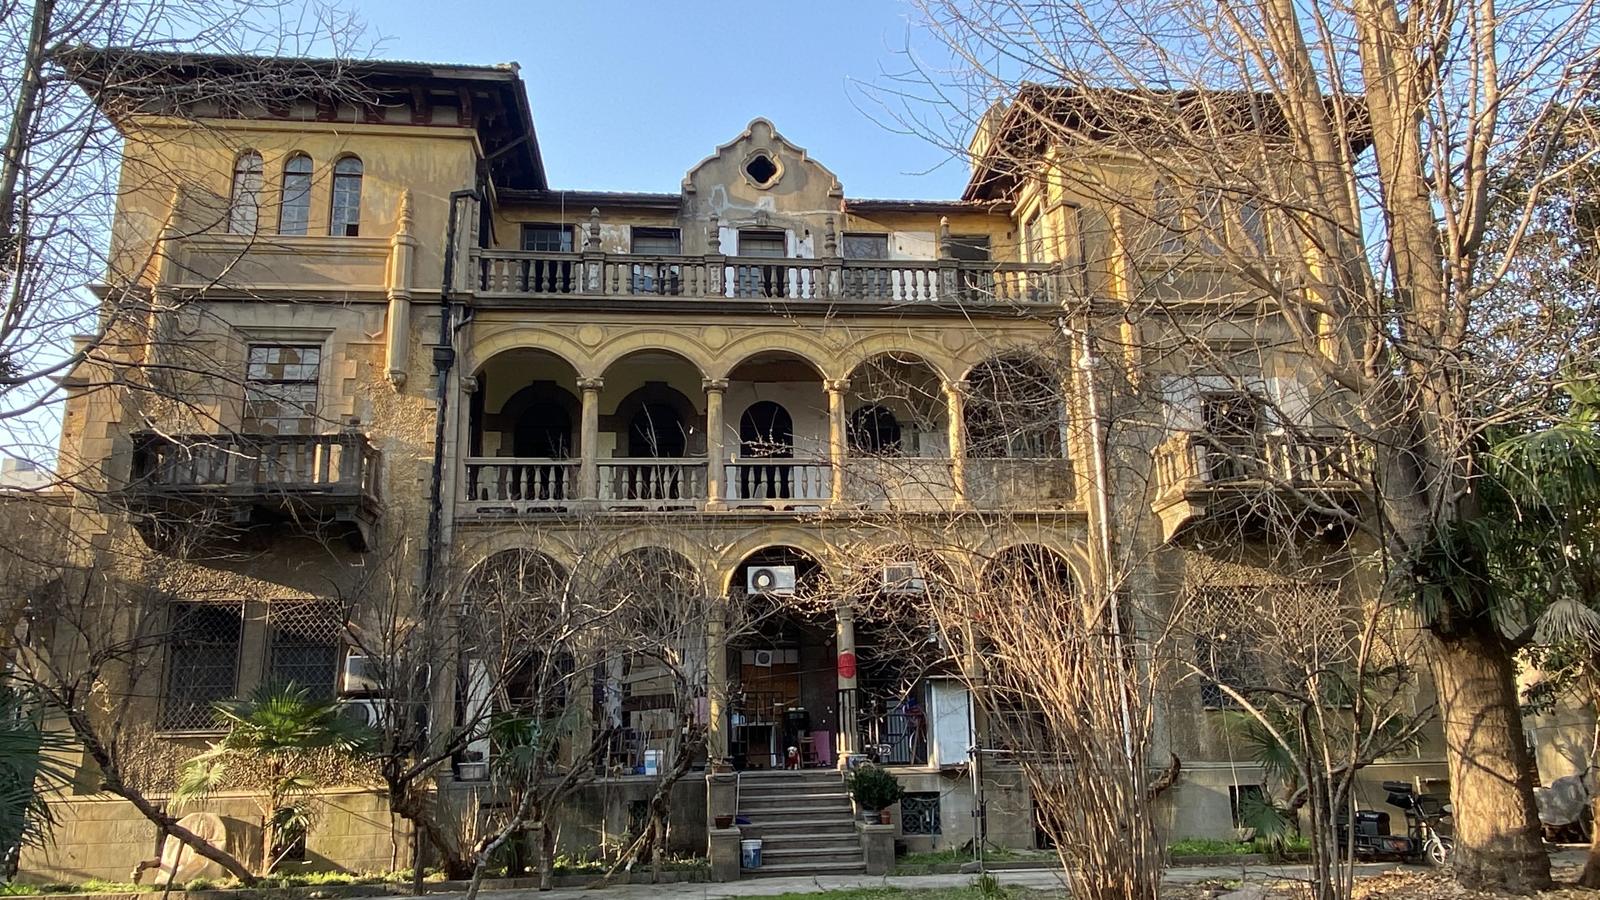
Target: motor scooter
(1429, 824)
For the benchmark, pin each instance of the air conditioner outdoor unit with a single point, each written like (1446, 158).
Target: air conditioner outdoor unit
(777, 581)
(372, 712)
(763, 659)
(360, 675)
(903, 578)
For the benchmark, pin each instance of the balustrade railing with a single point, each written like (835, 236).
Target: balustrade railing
(1304, 460)
(900, 482)
(1023, 483)
(652, 482)
(515, 484)
(540, 274)
(248, 464)
(778, 482)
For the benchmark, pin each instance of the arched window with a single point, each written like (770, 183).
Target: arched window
(244, 204)
(874, 429)
(766, 429)
(294, 213)
(543, 431)
(656, 432)
(345, 219)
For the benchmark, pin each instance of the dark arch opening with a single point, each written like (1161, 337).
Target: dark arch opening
(874, 429)
(658, 421)
(766, 430)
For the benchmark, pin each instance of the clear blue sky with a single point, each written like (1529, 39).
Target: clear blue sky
(629, 94)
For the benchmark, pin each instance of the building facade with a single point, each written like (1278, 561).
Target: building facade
(383, 328)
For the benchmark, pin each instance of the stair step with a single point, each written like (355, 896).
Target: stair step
(812, 857)
(775, 828)
(806, 868)
(813, 835)
(794, 797)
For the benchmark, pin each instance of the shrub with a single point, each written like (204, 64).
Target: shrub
(875, 787)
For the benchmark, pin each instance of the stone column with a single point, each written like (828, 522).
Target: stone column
(837, 449)
(589, 438)
(955, 398)
(716, 686)
(716, 464)
(845, 640)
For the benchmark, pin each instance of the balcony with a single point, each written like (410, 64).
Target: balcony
(1205, 475)
(317, 482)
(510, 274)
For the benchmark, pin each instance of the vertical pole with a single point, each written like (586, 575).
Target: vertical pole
(589, 438)
(717, 685)
(845, 640)
(716, 465)
(955, 398)
(836, 388)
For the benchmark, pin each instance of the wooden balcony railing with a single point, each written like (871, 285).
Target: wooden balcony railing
(253, 464)
(312, 480)
(514, 273)
(1302, 461)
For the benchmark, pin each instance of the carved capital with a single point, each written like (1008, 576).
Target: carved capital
(397, 377)
(591, 384)
(836, 385)
(469, 384)
(714, 385)
(957, 388)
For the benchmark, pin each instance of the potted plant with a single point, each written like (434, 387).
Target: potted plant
(874, 789)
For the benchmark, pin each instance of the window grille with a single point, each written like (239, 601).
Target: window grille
(306, 647)
(202, 662)
(919, 812)
(281, 389)
(1246, 632)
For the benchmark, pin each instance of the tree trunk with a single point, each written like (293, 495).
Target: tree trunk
(547, 854)
(1498, 841)
(1591, 866)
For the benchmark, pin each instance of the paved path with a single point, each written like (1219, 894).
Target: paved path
(1044, 879)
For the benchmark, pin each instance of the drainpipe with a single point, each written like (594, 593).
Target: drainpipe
(444, 358)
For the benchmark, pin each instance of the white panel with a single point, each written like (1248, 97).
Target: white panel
(913, 245)
(952, 722)
(800, 246)
(729, 237)
(1293, 399)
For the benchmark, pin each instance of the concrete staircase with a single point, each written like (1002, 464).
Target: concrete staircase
(804, 822)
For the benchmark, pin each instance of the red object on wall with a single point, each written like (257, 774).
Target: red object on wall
(847, 665)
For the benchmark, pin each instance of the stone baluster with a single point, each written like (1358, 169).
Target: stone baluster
(594, 262)
(715, 270)
(948, 289)
(832, 280)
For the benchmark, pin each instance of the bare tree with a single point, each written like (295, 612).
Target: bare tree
(1324, 172)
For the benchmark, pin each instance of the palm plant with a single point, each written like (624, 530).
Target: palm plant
(274, 735)
(29, 773)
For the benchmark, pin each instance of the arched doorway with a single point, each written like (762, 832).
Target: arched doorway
(782, 666)
(523, 437)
